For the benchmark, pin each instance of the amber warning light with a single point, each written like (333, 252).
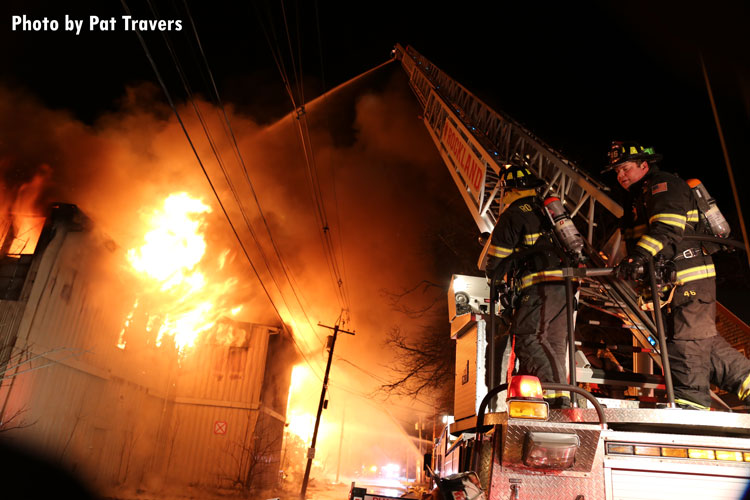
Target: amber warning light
(525, 398)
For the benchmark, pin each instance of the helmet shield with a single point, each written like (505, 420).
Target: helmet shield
(517, 177)
(624, 151)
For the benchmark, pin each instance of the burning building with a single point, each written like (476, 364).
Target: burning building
(96, 376)
(117, 391)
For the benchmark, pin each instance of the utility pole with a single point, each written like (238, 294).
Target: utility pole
(341, 444)
(434, 424)
(728, 163)
(420, 459)
(311, 449)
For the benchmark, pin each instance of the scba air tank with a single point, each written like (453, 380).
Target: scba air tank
(715, 220)
(565, 230)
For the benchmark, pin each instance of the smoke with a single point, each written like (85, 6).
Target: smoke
(380, 183)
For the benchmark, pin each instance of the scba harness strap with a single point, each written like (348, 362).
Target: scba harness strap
(689, 253)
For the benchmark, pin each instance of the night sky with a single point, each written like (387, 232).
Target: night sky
(577, 74)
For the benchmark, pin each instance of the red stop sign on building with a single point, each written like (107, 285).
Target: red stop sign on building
(220, 427)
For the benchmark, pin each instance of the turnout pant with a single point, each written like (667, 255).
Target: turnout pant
(698, 355)
(540, 327)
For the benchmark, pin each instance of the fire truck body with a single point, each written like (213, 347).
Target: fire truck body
(640, 453)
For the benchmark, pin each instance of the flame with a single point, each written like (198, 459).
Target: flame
(300, 373)
(300, 416)
(26, 219)
(302, 424)
(173, 247)
(186, 302)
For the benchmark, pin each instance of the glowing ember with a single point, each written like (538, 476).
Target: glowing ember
(128, 322)
(183, 303)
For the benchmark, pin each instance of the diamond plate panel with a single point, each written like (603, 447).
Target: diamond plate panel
(486, 458)
(510, 480)
(510, 483)
(515, 436)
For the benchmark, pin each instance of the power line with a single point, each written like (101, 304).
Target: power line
(314, 182)
(208, 179)
(221, 163)
(241, 161)
(325, 94)
(217, 155)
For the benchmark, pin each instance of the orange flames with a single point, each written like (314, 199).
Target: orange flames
(26, 221)
(300, 409)
(171, 264)
(302, 406)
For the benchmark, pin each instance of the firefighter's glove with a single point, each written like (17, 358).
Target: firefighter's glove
(633, 267)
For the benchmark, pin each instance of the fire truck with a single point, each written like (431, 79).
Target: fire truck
(627, 442)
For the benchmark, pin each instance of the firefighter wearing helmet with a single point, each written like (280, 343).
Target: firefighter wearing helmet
(659, 217)
(539, 321)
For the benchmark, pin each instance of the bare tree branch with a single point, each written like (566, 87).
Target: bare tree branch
(252, 457)
(399, 301)
(24, 356)
(422, 366)
(14, 422)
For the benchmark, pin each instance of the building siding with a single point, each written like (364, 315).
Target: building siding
(123, 419)
(733, 329)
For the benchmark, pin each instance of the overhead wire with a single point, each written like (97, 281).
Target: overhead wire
(172, 105)
(220, 162)
(315, 186)
(304, 137)
(341, 274)
(316, 191)
(240, 159)
(277, 56)
(238, 154)
(343, 317)
(284, 266)
(195, 153)
(297, 80)
(273, 45)
(299, 52)
(230, 184)
(337, 211)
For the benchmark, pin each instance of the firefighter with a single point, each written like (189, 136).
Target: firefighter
(539, 321)
(660, 216)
